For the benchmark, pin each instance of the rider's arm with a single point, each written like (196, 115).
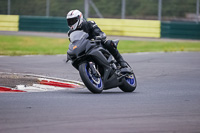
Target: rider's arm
(97, 31)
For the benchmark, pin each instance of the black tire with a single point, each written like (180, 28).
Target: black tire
(87, 79)
(129, 84)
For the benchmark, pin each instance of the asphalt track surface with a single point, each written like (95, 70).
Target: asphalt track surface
(166, 100)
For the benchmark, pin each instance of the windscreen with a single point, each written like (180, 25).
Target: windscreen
(78, 35)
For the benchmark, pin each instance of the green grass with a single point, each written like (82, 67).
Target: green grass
(23, 45)
(157, 46)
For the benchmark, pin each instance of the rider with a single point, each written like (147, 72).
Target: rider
(76, 22)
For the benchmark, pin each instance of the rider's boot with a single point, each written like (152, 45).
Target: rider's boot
(124, 67)
(120, 59)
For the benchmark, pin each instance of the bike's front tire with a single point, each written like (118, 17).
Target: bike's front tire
(94, 84)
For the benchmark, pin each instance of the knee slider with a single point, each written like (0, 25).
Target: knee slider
(109, 44)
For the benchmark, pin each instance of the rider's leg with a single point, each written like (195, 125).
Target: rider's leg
(109, 45)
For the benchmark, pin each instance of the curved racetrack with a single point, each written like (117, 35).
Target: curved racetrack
(166, 100)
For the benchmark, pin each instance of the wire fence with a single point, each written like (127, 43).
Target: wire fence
(166, 10)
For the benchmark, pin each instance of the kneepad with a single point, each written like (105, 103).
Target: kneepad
(109, 44)
(110, 47)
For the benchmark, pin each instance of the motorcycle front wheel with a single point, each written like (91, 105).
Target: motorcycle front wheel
(93, 83)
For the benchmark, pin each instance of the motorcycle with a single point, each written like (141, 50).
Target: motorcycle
(97, 68)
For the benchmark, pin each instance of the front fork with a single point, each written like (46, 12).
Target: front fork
(94, 71)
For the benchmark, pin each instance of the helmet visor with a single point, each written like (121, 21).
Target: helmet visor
(72, 21)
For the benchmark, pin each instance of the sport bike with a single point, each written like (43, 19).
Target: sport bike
(97, 68)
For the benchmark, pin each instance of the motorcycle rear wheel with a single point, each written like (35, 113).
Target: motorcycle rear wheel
(94, 84)
(129, 83)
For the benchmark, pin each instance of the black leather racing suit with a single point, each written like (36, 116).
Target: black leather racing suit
(95, 32)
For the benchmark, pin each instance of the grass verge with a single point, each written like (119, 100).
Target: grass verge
(29, 45)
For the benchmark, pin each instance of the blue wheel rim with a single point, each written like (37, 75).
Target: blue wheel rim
(130, 81)
(99, 86)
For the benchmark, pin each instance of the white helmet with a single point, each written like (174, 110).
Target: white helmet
(74, 19)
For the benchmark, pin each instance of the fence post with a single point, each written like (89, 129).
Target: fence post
(86, 6)
(9, 4)
(123, 9)
(96, 9)
(160, 10)
(197, 11)
(47, 7)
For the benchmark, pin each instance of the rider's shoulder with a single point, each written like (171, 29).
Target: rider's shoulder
(91, 22)
(88, 23)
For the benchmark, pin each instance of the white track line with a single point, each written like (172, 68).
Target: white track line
(40, 88)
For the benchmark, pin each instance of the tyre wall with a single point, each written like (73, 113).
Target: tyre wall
(183, 30)
(129, 27)
(9, 22)
(43, 24)
(120, 27)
